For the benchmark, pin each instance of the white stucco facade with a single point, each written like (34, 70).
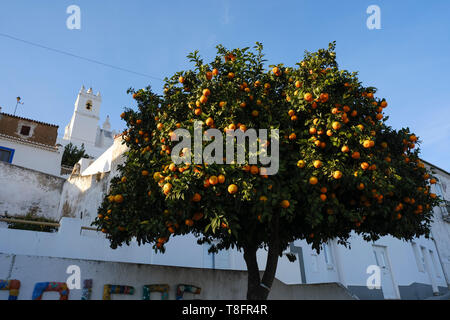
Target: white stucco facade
(35, 156)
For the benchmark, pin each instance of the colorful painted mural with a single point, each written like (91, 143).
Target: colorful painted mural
(182, 288)
(13, 286)
(87, 290)
(109, 289)
(148, 289)
(42, 287)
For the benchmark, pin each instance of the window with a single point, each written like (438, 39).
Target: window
(89, 105)
(25, 130)
(328, 255)
(6, 154)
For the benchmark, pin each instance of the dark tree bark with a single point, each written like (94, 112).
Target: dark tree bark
(259, 289)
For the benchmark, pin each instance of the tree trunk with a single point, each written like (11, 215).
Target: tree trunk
(258, 289)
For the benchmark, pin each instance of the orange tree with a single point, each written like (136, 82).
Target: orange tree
(341, 168)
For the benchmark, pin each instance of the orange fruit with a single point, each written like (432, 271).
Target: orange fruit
(144, 173)
(203, 99)
(209, 75)
(285, 204)
(118, 198)
(215, 72)
(313, 180)
(345, 149)
(354, 113)
(197, 197)
(323, 197)
(292, 136)
(213, 180)
(312, 130)
(337, 174)
(159, 126)
(300, 163)
(366, 143)
(383, 104)
(206, 92)
(323, 190)
(433, 181)
(323, 97)
(232, 188)
(317, 164)
(276, 71)
(254, 170)
(209, 122)
(167, 188)
(336, 125)
(360, 186)
(198, 111)
(124, 179)
(291, 112)
(298, 84)
(364, 165)
(181, 79)
(221, 178)
(230, 75)
(189, 222)
(308, 97)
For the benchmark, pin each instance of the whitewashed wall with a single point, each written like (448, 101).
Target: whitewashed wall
(214, 284)
(33, 157)
(24, 190)
(440, 227)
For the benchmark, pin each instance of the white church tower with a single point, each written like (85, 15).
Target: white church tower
(83, 128)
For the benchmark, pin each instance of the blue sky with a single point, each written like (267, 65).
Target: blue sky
(408, 59)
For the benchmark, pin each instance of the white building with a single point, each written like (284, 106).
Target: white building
(83, 128)
(30, 144)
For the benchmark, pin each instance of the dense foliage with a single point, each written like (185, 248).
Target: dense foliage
(342, 169)
(72, 154)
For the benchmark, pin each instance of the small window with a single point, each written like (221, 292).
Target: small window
(25, 130)
(89, 105)
(328, 255)
(6, 154)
